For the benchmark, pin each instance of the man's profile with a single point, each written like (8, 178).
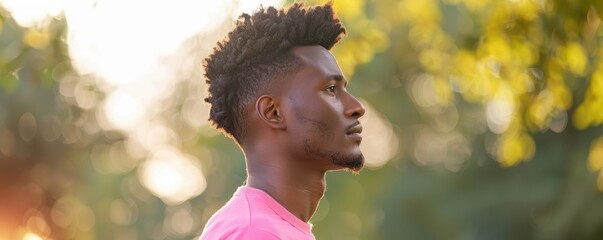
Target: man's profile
(275, 88)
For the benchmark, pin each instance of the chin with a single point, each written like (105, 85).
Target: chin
(353, 163)
(358, 168)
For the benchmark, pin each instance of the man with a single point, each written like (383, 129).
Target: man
(275, 88)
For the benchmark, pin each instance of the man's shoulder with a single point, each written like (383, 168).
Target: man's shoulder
(245, 209)
(243, 216)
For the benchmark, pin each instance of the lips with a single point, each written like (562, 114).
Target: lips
(356, 128)
(354, 131)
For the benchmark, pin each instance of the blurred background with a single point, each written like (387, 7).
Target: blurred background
(484, 120)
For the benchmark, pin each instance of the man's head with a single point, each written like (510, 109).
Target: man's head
(274, 76)
(257, 52)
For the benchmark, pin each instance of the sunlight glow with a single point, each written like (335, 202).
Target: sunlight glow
(123, 111)
(31, 236)
(29, 13)
(106, 39)
(172, 176)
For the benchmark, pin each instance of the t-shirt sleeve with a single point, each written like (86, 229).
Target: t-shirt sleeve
(251, 233)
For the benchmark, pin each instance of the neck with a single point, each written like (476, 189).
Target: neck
(299, 190)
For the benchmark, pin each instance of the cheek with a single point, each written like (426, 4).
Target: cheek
(317, 116)
(312, 126)
(326, 125)
(323, 129)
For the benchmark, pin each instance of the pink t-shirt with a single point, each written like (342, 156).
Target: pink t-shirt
(252, 214)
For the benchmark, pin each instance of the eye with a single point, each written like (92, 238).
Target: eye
(331, 89)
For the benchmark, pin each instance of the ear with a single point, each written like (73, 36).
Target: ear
(268, 110)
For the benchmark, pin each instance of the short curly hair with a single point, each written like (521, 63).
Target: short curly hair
(257, 51)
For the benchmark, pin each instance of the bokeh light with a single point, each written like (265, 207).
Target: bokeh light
(380, 143)
(172, 177)
(483, 119)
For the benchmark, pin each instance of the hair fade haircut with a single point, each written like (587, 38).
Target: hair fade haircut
(256, 51)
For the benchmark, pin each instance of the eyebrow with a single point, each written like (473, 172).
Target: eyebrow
(337, 78)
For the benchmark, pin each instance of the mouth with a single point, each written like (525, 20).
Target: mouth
(355, 131)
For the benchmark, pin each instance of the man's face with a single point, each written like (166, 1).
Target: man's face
(322, 115)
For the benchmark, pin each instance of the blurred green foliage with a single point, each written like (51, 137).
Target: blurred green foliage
(497, 106)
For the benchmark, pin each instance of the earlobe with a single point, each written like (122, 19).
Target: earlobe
(268, 110)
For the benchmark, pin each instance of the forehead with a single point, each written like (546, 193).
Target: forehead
(317, 58)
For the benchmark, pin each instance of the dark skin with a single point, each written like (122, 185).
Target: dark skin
(307, 125)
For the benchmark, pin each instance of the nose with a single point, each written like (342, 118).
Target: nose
(354, 108)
